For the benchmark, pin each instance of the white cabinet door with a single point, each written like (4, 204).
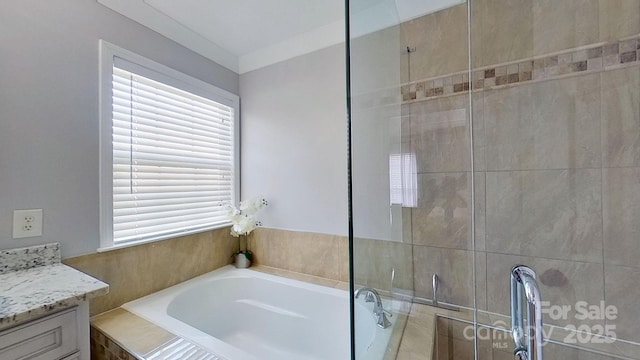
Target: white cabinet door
(49, 338)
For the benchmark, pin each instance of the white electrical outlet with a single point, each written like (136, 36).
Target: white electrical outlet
(27, 223)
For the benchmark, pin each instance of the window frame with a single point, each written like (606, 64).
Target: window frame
(107, 58)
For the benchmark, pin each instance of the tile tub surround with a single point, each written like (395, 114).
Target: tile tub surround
(321, 255)
(565, 171)
(103, 347)
(119, 334)
(418, 338)
(376, 259)
(140, 270)
(507, 33)
(545, 125)
(572, 203)
(557, 154)
(30, 292)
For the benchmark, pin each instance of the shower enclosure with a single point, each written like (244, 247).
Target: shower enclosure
(487, 134)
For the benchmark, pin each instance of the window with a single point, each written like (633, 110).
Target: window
(168, 151)
(403, 179)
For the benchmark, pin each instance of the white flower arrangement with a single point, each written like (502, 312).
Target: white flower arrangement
(243, 216)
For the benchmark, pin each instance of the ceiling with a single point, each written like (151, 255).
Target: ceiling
(244, 26)
(245, 35)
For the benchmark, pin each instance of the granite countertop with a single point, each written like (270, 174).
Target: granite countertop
(34, 283)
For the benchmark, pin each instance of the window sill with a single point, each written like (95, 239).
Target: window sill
(160, 238)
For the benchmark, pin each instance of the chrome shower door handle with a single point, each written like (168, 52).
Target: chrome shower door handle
(528, 342)
(434, 284)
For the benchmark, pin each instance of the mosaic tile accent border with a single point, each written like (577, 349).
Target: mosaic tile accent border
(103, 348)
(29, 257)
(578, 61)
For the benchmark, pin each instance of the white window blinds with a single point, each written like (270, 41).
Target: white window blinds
(173, 159)
(403, 179)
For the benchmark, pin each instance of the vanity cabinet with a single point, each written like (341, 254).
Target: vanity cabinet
(44, 305)
(59, 336)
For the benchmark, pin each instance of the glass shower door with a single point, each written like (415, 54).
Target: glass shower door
(411, 171)
(381, 260)
(484, 135)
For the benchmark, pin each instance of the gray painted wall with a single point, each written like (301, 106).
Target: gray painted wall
(49, 110)
(294, 141)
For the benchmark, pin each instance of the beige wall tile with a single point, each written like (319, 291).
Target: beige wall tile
(456, 329)
(440, 40)
(621, 210)
(405, 122)
(561, 282)
(481, 280)
(477, 56)
(404, 62)
(618, 19)
(506, 30)
(547, 125)
(299, 276)
(376, 259)
(407, 226)
(552, 126)
(480, 203)
(418, 339)
(560, 25)
(551, 213)
(132, 332)
(141, 270)
(557, 351)
(495, 342)
(479, 137)
(509, 30)
(454, 269)
(442, 217)
(440, 134)
(502, 355)
(315, 254)
(452, 348)
(622, 289)
(456, 341)
(621, 117)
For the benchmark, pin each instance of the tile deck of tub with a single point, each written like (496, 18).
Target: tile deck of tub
(122, 335)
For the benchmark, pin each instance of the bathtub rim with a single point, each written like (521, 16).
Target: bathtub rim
(147, 308)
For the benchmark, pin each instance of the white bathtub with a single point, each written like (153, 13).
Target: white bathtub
(248, 315)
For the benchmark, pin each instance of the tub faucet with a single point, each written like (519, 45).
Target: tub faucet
(379, 311)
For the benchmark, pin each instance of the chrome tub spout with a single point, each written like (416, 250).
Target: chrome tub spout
(378, 310)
